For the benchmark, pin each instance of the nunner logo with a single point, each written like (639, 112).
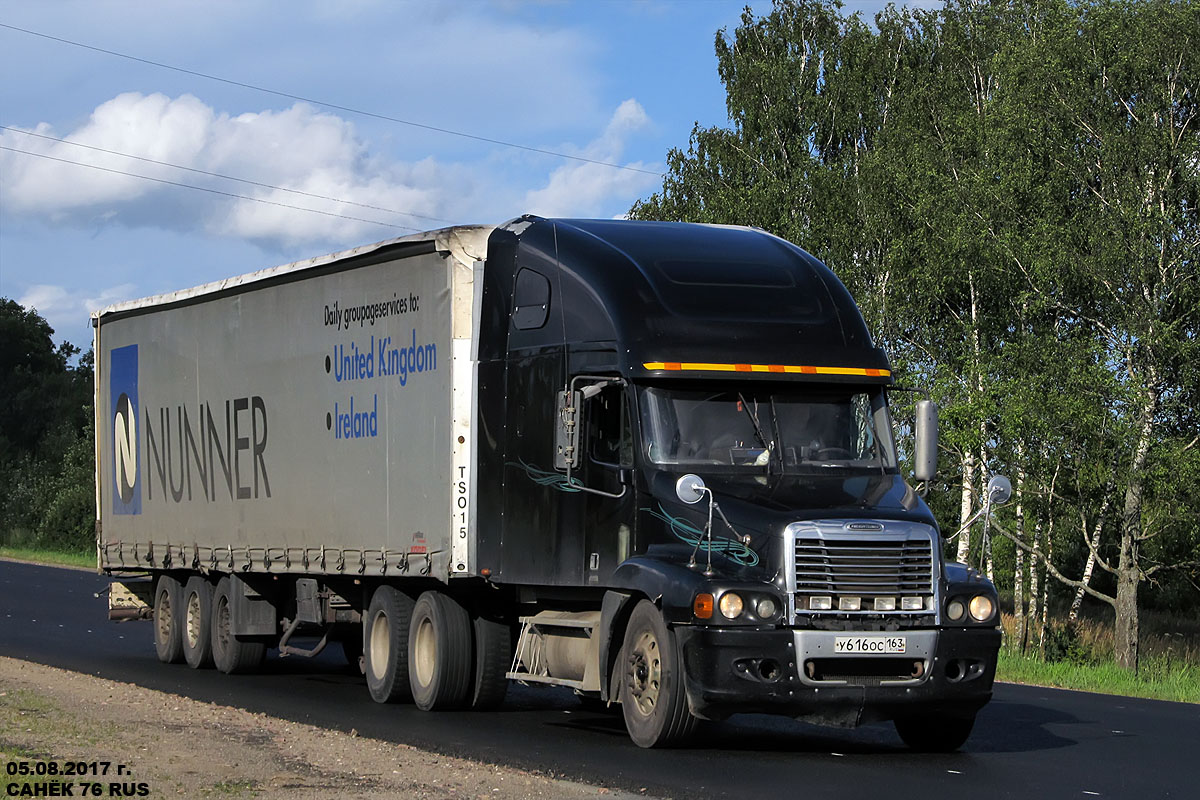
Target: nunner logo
(123, 389)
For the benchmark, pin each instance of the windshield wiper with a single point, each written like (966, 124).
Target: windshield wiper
(778, 435)
(753, 415)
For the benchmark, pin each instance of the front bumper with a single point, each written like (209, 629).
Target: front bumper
(797, 674)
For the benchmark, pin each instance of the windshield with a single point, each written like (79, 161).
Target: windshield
(797, 430)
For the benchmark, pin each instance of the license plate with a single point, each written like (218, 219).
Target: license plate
(869, 645)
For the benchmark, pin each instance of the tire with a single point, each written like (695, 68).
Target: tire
(168, 620)
(230, 654)
(493, 655)
(197, 622)
(653, 696)
(934, 733)
(385, 645)
(441, 663)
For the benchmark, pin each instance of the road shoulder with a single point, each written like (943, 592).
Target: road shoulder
(179, 747)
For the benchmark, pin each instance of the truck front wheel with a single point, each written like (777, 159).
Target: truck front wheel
(653, 699)
(197, 622)
(168, 620)
(231, 654)
(934, 733)
(385, 648)
(440, 657)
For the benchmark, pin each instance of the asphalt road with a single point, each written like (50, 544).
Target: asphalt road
(1028, 743)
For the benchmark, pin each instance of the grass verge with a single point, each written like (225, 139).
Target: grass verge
(1156, 679)
(76, 559)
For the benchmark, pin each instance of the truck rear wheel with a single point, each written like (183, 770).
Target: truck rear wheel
(230, 654)
(197, 622)
(168, 620)
(386, 645)
(440, 659)
(934, 733)
(653, 699)
(493, 655)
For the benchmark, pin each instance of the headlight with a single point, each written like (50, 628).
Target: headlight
(982, 607)
(731, 605)
(765, 608)
(955, 610)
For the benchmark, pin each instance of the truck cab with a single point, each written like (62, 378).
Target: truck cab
(688, 427)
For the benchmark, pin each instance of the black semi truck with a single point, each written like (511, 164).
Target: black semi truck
(652, 462)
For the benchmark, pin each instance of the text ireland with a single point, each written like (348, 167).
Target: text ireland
(352, 423)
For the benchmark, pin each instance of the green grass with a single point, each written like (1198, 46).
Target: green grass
(69, 559)
(1156, 679)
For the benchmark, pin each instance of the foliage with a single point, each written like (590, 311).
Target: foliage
(46, 443)
(1011, 190)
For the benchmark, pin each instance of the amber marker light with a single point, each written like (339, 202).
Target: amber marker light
(702, 607)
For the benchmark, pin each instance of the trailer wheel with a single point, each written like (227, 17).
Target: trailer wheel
(934, 733)
(168, 620)
(440, 659)
(653, 700)
(197, 622)
(230, 654)
(493, 655)
(386, 645)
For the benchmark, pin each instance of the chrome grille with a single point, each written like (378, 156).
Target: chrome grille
(883, 566)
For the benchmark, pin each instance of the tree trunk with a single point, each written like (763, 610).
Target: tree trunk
(1129, 573)
(1094, 540)
(968, 481)
(1126, 644)
(1019, 569)
(1088, 567)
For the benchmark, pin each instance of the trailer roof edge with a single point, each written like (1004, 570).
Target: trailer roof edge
(468, 241)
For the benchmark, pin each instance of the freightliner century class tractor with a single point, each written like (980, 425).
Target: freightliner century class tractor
(652, 462)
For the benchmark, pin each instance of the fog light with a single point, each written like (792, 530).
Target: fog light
(885, 604)
(820, 603)
(702, 606)
(765, 608)
(912, 603)
(955, 610)
(849, 603)
(982, 607)
(731, 605)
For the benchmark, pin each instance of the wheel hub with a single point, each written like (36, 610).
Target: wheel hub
(644, 673)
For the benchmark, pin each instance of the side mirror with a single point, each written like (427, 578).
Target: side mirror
(925, 451)
(689, 488)
(999, 490)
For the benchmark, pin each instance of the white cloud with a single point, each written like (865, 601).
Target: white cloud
(65, 310)
(585, 189)
(298, 148)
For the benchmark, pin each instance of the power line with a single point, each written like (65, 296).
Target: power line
(206, 189)
(335, 106)
(219, 175)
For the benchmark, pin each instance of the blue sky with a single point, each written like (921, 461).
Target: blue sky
(617, 81)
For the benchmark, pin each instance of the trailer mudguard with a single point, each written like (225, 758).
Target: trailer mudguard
(254, 612)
